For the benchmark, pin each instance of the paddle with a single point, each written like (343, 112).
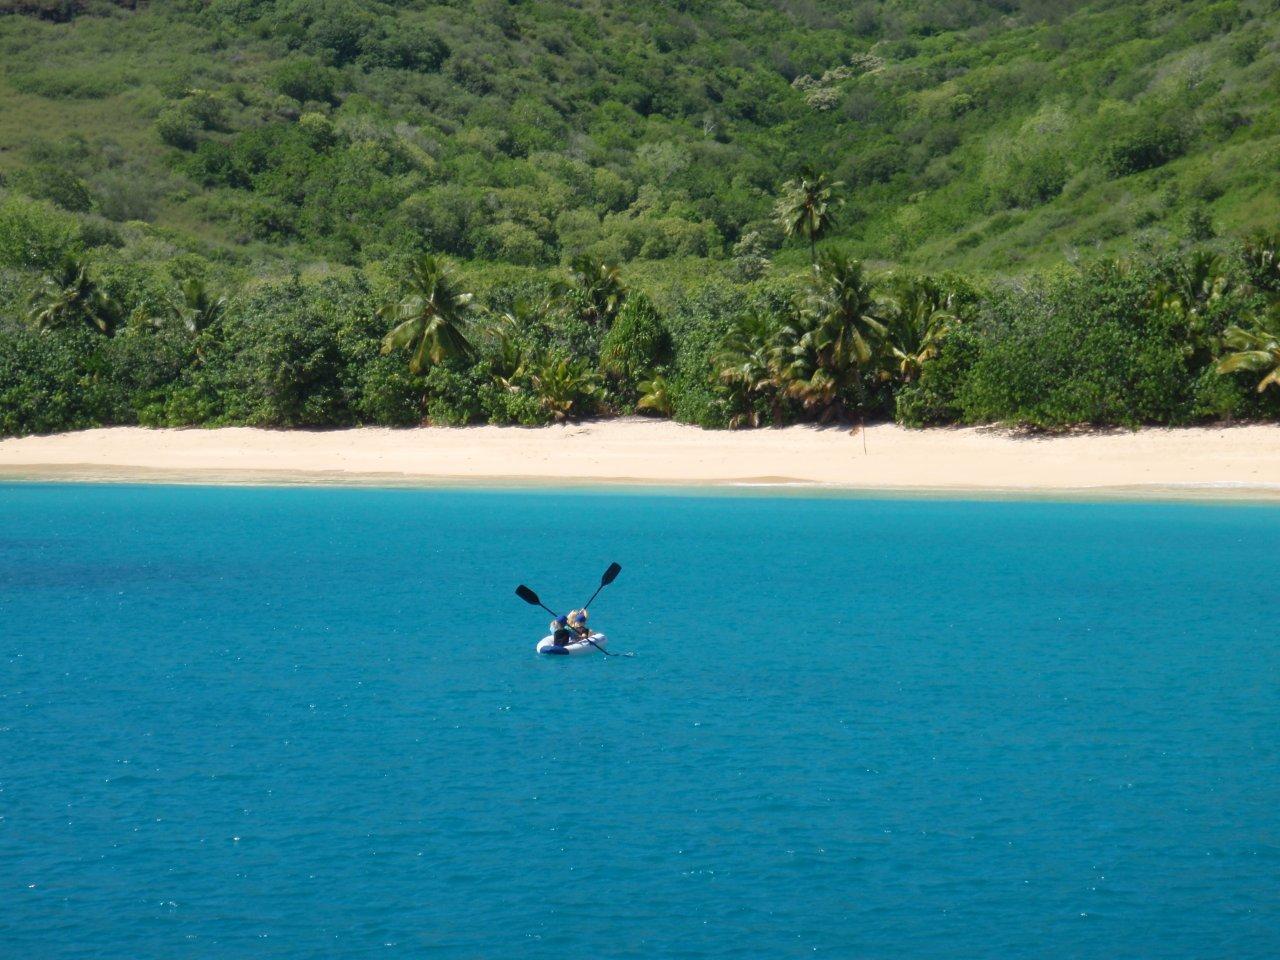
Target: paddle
(607, 578)
(531, 598)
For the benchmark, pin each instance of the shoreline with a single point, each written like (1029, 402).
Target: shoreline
(89, 475)
(1232, 464)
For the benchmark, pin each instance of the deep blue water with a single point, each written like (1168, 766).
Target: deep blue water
(310, 723)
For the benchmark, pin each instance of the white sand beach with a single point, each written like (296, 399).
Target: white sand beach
(1239, 461)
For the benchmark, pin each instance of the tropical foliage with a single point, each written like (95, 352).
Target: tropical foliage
(735, 213)
(915, 316)
(1256, 349)
(1162, 338)
(68, 297)
(429, 316)
(807, 208)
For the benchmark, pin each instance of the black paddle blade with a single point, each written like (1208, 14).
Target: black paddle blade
(610, 575)
(528, 596)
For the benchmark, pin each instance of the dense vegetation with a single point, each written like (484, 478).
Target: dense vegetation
(971, 133)
(1173, 338)
(1036, 212)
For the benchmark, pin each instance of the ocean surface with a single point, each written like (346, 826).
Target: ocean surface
(297, 723)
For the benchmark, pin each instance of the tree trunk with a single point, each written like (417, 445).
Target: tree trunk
(862, 409)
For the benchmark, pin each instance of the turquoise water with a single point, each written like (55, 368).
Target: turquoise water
(310, 723)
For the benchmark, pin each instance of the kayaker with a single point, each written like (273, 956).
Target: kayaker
(578, 623)
(559, 632)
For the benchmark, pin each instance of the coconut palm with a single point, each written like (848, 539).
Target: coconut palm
(1187, 294)
(752, 362)
(916, 314)
(832, 340)
(198, 307)
(68, 297)
(1195, 280)
(1256, 349)
(508, 339)
(430, 316)
(565, 387)
(1261, 256)
(655, 395)
(807, 208)
(836, 335)
(598, 290)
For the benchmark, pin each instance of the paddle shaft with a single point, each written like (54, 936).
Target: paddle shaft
(593, 596)
(598, 647)
(609, 576)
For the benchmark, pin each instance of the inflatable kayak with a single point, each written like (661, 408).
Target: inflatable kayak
(548, 646)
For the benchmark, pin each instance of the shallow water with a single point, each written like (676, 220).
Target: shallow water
(309, 722)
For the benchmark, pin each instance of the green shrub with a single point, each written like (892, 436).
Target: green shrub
(695, 399)
(41, 381)
(389, 395)
(178, 128)
(503, 405)
(1198, 225)
(63, 186)
(935, 397)
(511, 243)
(278, 360)
(140, 368)
(127, 193)
(1031, 168)
(1084, 347)
(34, 234)
(206, 108)
(453, 395)
(698, 324)
(412, 47)
(72, 82)
(305, 80)
(1142, 145)
(637, 342)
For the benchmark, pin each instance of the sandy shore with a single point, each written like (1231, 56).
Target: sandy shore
(1217, 462)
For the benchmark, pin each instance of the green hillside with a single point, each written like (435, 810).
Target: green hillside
(985, 135)
(1048, 212)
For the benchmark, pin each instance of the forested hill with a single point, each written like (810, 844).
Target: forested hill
(988, 135)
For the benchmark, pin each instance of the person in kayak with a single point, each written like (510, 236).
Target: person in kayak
(560, 633)
(578, 624)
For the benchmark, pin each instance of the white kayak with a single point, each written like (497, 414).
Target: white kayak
(597, 642)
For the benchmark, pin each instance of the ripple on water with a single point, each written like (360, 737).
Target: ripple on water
(853, 728)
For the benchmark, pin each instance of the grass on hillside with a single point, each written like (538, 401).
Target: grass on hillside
(968, 139)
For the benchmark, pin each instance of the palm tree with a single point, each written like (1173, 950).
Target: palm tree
(833, 339)
(1256, 349)
(655, 395)
(843, 317)
(598, 290)
(68, 297)
(509, 337)
(751, 363)
(1261, 256)
(1186, 293)
(807, 208)
(916, 315)
(198, 307)
(430, 316)
(565, 386)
